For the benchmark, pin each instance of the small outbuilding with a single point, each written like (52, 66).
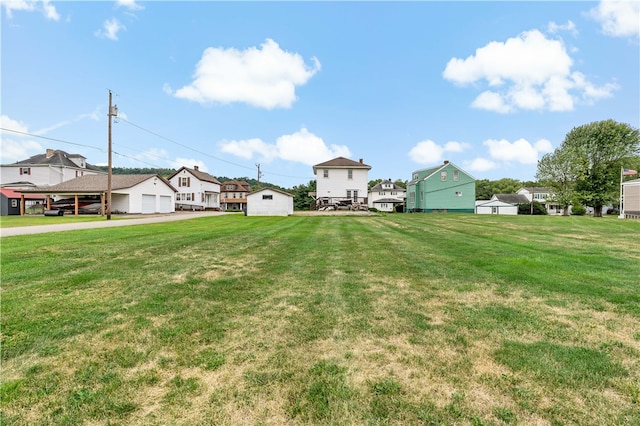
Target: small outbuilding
(495, 207)
(269, 202)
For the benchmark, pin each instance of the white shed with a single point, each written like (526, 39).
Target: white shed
(269, 202)
(495, 207)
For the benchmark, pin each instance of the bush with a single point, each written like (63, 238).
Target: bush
(578, 210)
(538, 208)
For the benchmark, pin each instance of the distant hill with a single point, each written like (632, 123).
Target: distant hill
(167, 172)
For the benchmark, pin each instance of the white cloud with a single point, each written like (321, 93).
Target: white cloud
(520, 151)
(246, 149)
(530, 72)
(14, 146)
(301, 147)
(569, 27)
(618, 18)
(130, 4)
(429, 152)
(44, 6)
(480, 165)
(110, 29)
(491, 101)
(189, 162)
(264, 77)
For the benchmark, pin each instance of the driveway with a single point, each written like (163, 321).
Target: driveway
(129, 221)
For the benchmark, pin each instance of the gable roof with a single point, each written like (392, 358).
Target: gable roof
(16, 193)
(241, 186)
(270, 189)
(536, 190)
(55, 158)
(203, 176)
(342, 162)
(511, 198)
(493, 203)
(98, 183)
(378, 187)
(428, 172)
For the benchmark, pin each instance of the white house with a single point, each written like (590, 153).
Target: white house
(386, 195)
(269, 202)
(341, 181)
(630, 208)
(544, 196)
(495, 207)
(145, 194)
(196, 190)
(51, 168)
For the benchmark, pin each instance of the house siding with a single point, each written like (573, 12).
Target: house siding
(280, 204)
(432, 194)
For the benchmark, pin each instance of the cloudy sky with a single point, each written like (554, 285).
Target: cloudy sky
(489, 86)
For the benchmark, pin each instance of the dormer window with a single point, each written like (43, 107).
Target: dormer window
(231, 187)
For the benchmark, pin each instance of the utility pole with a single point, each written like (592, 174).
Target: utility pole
(113, 112)
(259, 174)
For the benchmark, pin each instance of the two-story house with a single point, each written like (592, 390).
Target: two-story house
(386, 196)
(443, 188)
(544, 196)
(197, 190)
(41, 170)
(233, 195)
(341, 180)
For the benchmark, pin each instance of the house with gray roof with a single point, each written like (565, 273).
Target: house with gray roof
(197, 190)
(51, 168)
(386, 196)
(143, 194)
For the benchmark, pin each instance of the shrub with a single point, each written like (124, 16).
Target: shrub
(538, 208)
(578, 210)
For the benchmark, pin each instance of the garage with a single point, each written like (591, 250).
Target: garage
(148, 203)
(166, 204)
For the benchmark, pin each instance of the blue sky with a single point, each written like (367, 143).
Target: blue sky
(489, 86)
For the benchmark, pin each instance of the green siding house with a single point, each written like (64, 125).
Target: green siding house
(444, 188)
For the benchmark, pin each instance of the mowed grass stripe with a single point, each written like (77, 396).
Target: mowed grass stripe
(389, 319)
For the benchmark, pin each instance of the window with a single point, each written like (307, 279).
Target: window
(349, 174)
(355, 195)
(25, 170)
(456, 176)
(382, 193)
(267, 197)
(412, 197)
(348, 193)
(458, 194)
(443, 176)
(325, 173)
(184, 181)
(14, 203)
(415, 176)
(231, 187)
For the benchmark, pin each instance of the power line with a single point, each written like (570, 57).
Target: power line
(51, 139)
(204, 153)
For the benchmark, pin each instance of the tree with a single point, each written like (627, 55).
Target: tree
(597, 151)
(485, 188)
(301, 198)
(555, 171)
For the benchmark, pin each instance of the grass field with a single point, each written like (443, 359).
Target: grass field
(381, 320)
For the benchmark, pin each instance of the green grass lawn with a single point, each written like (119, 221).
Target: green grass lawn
(33, 220)
(421, 319)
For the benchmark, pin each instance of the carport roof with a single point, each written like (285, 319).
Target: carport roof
(98, 183)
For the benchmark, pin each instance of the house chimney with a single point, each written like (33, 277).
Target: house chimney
(361, 161)
(446, 162)
(196, 168)
(49, 153)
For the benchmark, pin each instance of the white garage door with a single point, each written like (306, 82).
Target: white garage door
(148, 204)
(165, 204)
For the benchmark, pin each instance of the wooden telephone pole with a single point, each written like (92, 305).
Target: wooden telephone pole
(113, 112)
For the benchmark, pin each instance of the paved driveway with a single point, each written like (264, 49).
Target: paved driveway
(129, 221)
